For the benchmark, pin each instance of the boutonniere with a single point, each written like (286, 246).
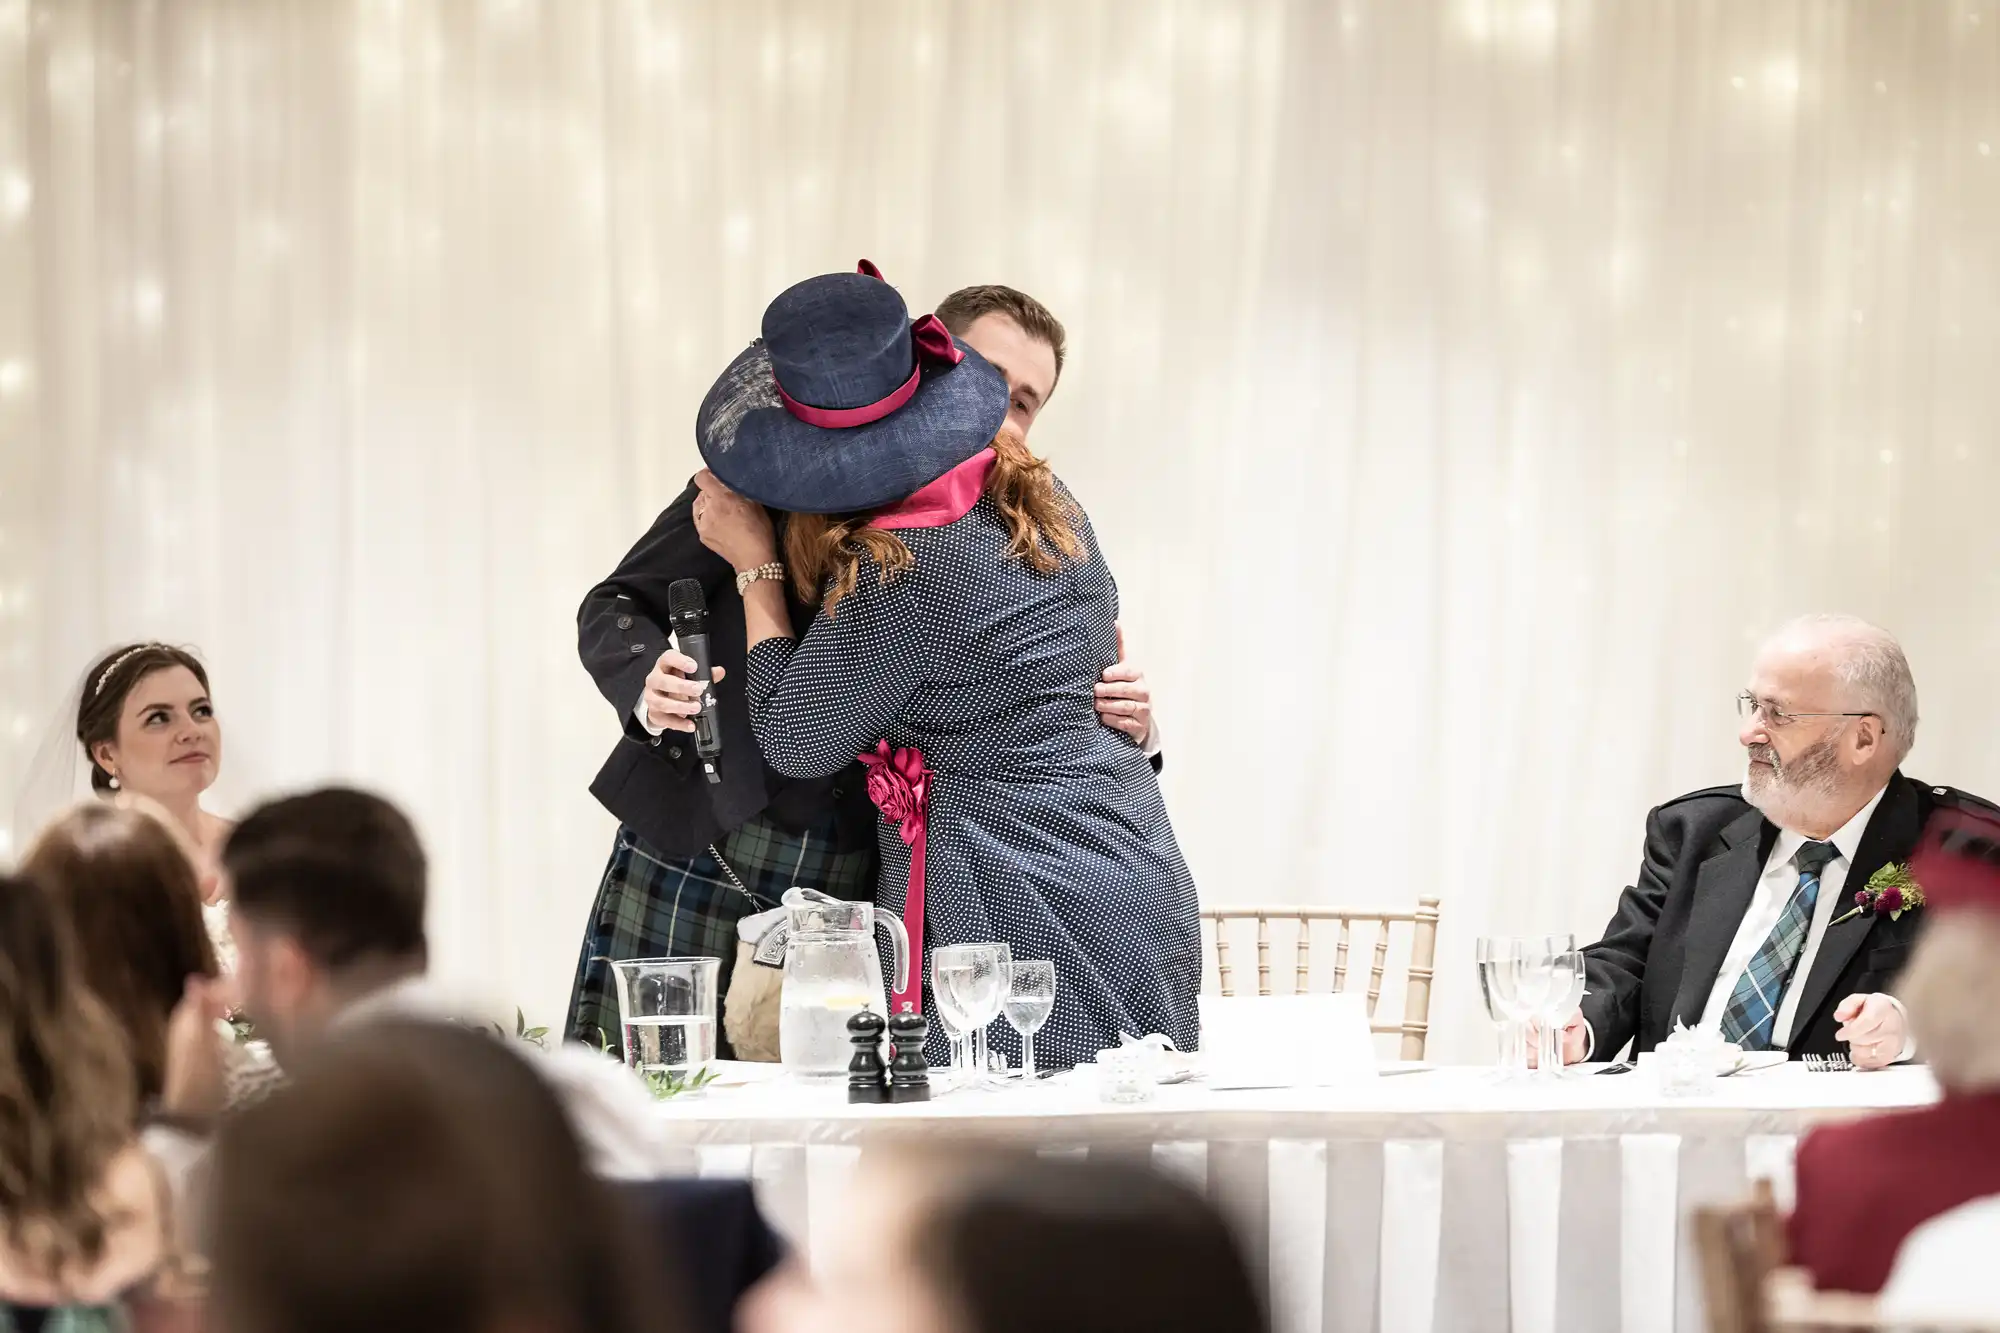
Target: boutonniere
(1891, 891)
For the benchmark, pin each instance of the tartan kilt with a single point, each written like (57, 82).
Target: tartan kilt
(653, 906)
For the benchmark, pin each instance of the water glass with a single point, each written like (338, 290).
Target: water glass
(1566, 991)
(667, 1008)
(1501, 962)
(1031, 994)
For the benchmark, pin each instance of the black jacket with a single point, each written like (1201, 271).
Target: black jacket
(652, 783)
(1661, 955)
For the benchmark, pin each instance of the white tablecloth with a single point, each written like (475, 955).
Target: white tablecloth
(1425, 1202)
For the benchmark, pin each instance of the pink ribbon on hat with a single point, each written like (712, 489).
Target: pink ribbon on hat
(933, 344)
(900, 787)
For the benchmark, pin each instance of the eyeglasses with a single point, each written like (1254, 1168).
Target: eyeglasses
(1749, 705)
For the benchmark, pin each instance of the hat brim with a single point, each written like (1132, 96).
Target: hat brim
(760, 450)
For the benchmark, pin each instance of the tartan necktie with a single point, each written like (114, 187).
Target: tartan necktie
(1752, 1012)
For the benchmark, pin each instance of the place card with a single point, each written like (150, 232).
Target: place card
(1285, 1041)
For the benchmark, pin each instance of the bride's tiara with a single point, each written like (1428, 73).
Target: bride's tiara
(117, 662)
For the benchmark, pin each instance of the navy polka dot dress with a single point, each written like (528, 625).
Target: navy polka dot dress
(1046, 828)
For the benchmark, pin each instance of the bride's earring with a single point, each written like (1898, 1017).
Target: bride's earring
(114, 782)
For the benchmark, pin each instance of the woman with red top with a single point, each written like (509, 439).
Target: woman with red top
(1864, 1187)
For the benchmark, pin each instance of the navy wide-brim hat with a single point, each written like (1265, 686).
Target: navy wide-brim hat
(845, 405)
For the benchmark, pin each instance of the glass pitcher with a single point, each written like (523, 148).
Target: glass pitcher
(832, 972)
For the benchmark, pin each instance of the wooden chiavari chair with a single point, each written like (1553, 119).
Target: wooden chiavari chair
(1414, 1027)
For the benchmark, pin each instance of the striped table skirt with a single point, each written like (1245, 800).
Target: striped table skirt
(1425, 1203)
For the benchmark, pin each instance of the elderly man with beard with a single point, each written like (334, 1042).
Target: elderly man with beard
(1746, 916)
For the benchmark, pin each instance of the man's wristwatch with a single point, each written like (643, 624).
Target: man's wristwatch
(773, 571)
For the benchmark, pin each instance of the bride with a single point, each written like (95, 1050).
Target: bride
(147, 726)
(147, 729)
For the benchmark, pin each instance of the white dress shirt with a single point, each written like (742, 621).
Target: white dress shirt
(1775, 888)
(608, 1107)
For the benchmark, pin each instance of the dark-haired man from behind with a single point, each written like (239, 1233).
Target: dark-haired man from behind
(328, 893)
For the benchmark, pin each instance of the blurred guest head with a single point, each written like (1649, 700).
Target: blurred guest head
(1829, 712)
(1019, 335)
(1951, 987)
(1952, 991)
(327, 897)
(418, 1177)
(147, 725)
(124, 880)
(999, 1242)
(66, 1095)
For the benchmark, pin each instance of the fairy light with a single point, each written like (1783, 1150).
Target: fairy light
(148, 302)
(13, 378)
(17, 195)
(1781, 77)
(737, 231)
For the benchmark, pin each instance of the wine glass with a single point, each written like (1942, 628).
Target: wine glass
(988, 1011)
(1500, 963)
(1031, 994)
(970, 980)
(1566, 983)
(953, 1019)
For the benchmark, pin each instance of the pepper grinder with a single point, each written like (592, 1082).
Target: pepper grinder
(909, 1072)
(867, 1076)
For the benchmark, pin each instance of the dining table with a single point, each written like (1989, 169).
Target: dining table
(1403, 1199)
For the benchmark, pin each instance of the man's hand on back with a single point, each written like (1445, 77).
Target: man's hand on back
(1124, 699)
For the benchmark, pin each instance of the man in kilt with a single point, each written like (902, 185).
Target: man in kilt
(691, 859)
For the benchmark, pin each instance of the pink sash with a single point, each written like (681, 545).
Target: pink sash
(900, 786)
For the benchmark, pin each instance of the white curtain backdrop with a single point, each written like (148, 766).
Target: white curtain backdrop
(1459, 389)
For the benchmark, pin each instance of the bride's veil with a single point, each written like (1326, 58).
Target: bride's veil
(57, 775)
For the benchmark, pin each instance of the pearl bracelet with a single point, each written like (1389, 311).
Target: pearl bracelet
(773, 571)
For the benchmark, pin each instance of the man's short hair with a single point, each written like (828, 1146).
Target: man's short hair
(341, 871)
(968, 304)
(1872, 664)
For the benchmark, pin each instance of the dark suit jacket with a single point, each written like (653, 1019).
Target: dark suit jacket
(1661, 955)
(653, 783)
(1864, 1187)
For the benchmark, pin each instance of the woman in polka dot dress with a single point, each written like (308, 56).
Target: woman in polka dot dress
(965, 614)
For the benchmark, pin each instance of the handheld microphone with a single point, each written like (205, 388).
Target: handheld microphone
(687, 609)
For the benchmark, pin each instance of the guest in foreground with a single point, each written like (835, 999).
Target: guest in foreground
(329, 890)
(1754, 911)
(84, 1221)
(965, 618)
(134, 908)
(420, 1177)
(998, 1242)
(690, 860)
(1864, 1186)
